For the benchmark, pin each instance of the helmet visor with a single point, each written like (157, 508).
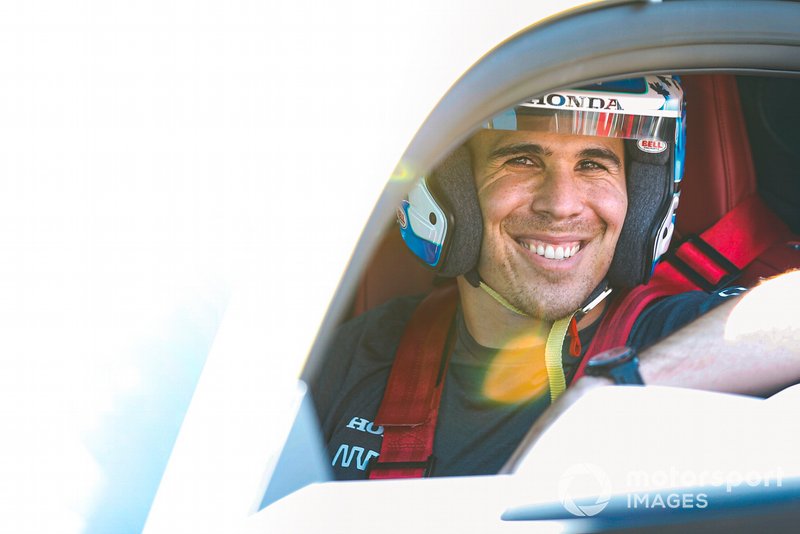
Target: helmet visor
(644, 108)
(601, 124)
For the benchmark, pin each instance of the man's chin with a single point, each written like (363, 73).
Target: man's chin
(549, 311)
(552, 304)
(544, 296)
(554, 314)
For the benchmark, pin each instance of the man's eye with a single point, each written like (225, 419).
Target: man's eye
(521, 161)
(589, 165)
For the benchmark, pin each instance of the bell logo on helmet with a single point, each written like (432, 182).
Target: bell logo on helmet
(401, 218)
(652, 146)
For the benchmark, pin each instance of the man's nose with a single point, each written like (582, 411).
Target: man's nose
(559, 194)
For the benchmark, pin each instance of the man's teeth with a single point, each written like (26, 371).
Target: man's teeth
(551, 252)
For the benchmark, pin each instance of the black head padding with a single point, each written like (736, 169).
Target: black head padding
(649, 184)
(453, 187)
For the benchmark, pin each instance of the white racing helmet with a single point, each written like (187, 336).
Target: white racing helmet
(441, 222)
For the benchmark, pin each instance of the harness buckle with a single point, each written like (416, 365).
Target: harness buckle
(732, 272)
(427, 465)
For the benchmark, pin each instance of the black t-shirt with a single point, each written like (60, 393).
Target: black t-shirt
(481, 418)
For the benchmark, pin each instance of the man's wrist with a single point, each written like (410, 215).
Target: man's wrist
(620, 364)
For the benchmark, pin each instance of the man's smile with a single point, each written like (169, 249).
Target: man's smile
(551, 251)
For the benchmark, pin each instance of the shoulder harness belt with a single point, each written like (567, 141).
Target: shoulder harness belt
(410, 406)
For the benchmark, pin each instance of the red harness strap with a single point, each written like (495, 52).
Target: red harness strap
(410, 405)
(707, 262)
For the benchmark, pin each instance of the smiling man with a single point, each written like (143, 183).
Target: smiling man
(553, 207)
(537, 216)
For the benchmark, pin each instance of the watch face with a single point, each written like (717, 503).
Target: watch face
(611, 356)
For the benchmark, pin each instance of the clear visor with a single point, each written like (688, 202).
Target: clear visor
(581, 122)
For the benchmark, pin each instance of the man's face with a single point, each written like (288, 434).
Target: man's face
(553, 207)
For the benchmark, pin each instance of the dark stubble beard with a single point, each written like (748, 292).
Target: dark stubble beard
(541, 296)
(547, 300)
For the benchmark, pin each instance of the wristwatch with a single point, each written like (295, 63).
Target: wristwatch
(620, 364)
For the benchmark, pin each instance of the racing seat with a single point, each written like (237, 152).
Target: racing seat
(392, 272)
(719, 166)
(719, 175)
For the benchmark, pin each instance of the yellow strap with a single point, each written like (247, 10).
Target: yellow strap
(552, 357)
(499, 298)
(553, 348)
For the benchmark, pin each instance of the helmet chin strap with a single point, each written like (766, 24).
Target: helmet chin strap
(475, 280)
(499, 298)
(558, 332)
(597, 296)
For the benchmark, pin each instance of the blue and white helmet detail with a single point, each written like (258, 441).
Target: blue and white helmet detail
(423, 224)
(680, 145)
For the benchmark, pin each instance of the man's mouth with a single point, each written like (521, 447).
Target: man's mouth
(551, 251)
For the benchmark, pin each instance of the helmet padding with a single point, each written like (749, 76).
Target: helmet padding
(649, 187)
(453, 186)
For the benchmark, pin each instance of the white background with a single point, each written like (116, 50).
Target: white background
(159, 158)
